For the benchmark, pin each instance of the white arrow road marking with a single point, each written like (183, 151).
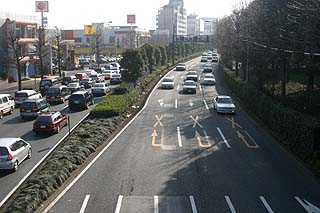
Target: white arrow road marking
(84, 204)
(190, 102)
(205, 104)
(193, 204)
(179, 137)
(161, 102)
(230, 204)
(156, 204)
(224, 139)
(119, 203)
(266, 204)
(309, 207)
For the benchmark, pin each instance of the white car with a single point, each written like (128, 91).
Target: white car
(6, 104)
(100, 89)
(192, 75)
(22, 95)
(167, 83)
(181, 67)
(208, 79)
(189, 86)
(224, 104)
(107, 74)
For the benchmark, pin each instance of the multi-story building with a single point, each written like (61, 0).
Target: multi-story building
(173, 18)
(195, 25)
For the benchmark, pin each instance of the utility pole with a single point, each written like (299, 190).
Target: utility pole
(173, 45)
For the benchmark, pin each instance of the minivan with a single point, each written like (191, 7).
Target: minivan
(6, 104)
(80, 100)
(57, 94)
(46, 83)
(32, 108)
(23, 95)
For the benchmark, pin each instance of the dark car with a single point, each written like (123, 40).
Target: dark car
(46, 83)
(80, 100)
(57, 94)
(32, 108)
(50, 122)
(69, 79)
(86, 82)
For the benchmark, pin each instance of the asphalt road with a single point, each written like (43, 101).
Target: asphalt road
(14, 126)
(180, 156)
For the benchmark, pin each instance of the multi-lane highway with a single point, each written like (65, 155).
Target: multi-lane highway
(180, 156)
(14, 126)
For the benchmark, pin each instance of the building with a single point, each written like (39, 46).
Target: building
(210, 25)
(195, 25)
(173, 18)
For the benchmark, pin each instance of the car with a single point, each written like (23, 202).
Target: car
(6, 104)
(181, 67)
(81, 75)
(89, 72)
(115, 78)
(86, 82)
(97, 77)
(13, 151)
(224, 104)
(32, 108)
(207, 68)
(73, 87)
(189, 86)
(215, 59)
(57, 94)
(209, 58)
(45, 83)
(100, 89)
(204, 59)
(192, 75)
(80, 100)
(167, 82)
(69, 79)
(23, 95)
(50, 122)
(107, 74)
(208, 79)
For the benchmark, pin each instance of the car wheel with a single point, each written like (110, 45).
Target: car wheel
(1, 115)
(29, 153)
(15, 166)
(11, 110)
(87, 105)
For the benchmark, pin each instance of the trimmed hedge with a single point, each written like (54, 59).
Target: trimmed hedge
(292, 128)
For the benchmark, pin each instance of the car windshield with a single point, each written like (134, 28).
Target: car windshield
(189, 83)
(192, 73)
(116, 76)
(3, 151)
(27, 104)
(46, 82)
(224, 100)
(98, 85)
(85, 80)
(167, 80)
(44, 119)
(73, 85)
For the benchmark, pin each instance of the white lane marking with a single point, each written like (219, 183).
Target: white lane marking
(205, 104)
(42, 159)
(176, 103)
(119, 203)
(156, 204)
(102, 151)
(224, 139)
(193, 204)
(66, 106)
(200, 88)
(178, 87)
(84, 204)
(179, 136)
(266, 204)
(309, 207)
(230, 204)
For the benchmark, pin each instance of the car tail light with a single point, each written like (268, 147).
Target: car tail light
(21, 109)
(9, 157)
(48, 97)
(34, 109)
(58, 96)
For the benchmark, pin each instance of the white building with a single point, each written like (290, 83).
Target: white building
(173, 17)
(195, 25)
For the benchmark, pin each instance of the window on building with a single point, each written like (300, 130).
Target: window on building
(112, 40)
(78, 40)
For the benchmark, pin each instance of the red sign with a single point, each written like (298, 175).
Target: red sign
(42, 6)
(131, 19)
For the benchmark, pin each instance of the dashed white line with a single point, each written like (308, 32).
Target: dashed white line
(119, 203)
(200, 88)
(230, 204)
(176, 103)
(193, 204)
(156, 204)
(266, 204)
(84, 204)
(224, 139)
(178, 87)
(179, 136)
(205, 104)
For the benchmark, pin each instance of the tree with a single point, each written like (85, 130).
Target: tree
(132, 61)
(157, 54)
(150, 52)
(57, 42)
(164, 57)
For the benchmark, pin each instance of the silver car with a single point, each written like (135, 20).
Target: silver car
(12, 152)
(224, 104)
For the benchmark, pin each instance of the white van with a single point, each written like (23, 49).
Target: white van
(22, 95)
(6, 104)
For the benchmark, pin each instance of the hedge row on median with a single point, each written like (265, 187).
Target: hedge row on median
(292, 128)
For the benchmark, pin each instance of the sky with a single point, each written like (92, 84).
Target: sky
(74, 14)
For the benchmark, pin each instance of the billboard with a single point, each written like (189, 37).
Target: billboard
(90, 29)
(131, 19)
(42, 6)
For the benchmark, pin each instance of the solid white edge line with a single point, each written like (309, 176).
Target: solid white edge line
(84, 204)
(205, 104)
(193, 204)
(155, 204)
(179, 136)
(224, 139)
(42, 159)
(266, 204)
(176, 103)
(101, 152)
(230, 204)
(119, 203)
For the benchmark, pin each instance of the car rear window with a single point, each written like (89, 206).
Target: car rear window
(53, 90)
(28, 104)
(44, 119)
(76, 97)
(67, 79)
(116, 76)
(224, 100)
(46, 82)
(3, 151)
(21, 95)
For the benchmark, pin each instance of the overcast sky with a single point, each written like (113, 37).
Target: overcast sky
(73, 14)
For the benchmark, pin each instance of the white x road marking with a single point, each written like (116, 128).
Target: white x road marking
(195, 121)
